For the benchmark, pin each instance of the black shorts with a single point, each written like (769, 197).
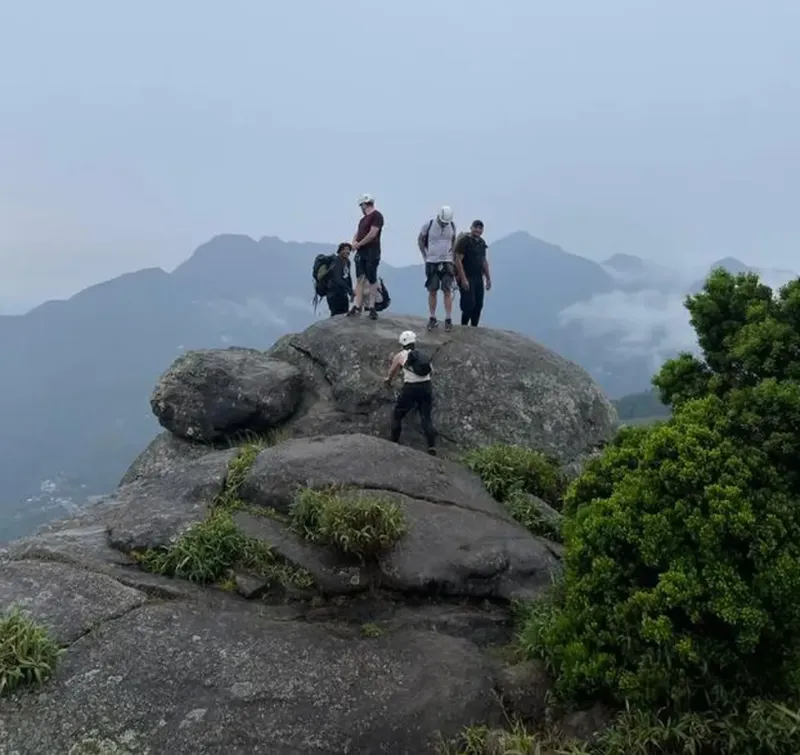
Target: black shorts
(440, 275)
(367, 265)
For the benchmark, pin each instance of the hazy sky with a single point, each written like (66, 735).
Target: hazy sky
(132, 132)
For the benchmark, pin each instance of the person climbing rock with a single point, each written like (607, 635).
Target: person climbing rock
(367, 243)
(472, 269)
(436, 240)
(340, 282)
(417, 390)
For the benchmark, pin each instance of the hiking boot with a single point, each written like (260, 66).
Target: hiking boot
(432, 323)
(432, 451)
(354, 310)
(373, 315)
(448, 324)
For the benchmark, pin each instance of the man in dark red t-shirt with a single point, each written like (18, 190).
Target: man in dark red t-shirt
(367, 244)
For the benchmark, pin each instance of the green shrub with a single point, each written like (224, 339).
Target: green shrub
(684, 583)
(358, 523)
(210, 549)
(505, 468)
(599, 476)
(28, 655)
(523, 507)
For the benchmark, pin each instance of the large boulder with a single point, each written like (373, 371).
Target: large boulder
(490, 386)
(460, 541)
(212, 394)
(145, 676)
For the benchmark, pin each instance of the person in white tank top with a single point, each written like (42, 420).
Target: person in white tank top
(417, 390)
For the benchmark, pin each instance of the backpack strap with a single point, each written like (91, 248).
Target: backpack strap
(428, 232)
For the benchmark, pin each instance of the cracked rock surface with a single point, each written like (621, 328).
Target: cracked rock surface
(460, 541)
(489, 385)
(384, 656)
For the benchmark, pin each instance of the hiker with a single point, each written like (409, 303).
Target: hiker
(332, 280)
(436, 241)
(472, 269)
(417, 391)
(339, 292)
(367, 243)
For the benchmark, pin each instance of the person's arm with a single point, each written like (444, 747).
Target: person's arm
(458, 258)
(423, 249)
(397, 363)
(486, 273)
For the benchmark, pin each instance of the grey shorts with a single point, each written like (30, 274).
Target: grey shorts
(440, 275)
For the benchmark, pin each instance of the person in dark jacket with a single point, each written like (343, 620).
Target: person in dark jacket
(472, 270)
(340, 282)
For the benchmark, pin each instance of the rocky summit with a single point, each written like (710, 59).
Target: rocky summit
(273, 575)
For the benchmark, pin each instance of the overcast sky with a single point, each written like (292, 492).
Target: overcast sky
(132, 132)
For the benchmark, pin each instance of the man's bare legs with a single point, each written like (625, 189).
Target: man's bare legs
(359, 297)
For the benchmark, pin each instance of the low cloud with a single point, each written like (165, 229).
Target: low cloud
(648, 323)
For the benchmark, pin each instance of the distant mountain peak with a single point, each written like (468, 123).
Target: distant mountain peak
(626, 263)
(732, 265)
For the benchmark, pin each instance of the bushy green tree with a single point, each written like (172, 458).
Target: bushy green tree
(682, 569)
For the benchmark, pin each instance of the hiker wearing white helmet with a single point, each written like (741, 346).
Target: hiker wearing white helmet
(417, 390)
(436, 241)
(367, 244)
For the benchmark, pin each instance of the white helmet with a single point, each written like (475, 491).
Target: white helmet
(408, 337)
(445, 215)
(365, 199)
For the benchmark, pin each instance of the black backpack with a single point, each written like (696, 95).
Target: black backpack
(428, 231)
(418, 363)
(383, 294)
(323, 264)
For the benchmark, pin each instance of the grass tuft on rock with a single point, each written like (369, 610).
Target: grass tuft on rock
(363, 524)
(516, 740)
(210, 550)
(516, 477)
(28, 654)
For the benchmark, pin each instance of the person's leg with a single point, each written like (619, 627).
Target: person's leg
(403, 405)
(371, 284)
(358, 290)
(424, 402)
(337, 303)
(431, 286)
(467, 303)
(448, 283)
(475, 315)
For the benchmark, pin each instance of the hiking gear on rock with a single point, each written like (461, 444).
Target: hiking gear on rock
(319, 274)
(354, 310)
(418, 363)
(448, 325)
(373, 315)
(382, 298)
(407, 337)
(432, 323)
(445, 215)
(366, 199)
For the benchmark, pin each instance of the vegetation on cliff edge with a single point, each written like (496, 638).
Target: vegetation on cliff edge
(680, 598)
(211, 549)
(28, 654)
(352, 521)
(516, 476)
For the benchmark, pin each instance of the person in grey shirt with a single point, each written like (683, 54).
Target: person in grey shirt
(436, 241)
